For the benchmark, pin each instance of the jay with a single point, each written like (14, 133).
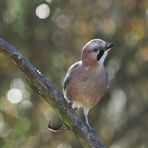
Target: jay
(86, 81)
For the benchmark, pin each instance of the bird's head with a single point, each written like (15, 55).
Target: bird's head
(95, 51)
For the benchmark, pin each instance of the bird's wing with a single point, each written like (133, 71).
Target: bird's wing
(69, 75)
(66, 81)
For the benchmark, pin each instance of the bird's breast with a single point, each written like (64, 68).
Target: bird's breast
(88, 87)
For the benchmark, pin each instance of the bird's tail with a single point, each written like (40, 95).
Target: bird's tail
(56, 124)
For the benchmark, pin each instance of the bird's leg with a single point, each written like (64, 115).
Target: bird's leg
(86, 111)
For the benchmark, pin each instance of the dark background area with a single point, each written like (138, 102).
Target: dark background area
(51, 34)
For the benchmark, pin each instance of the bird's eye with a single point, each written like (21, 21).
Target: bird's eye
(95, 49)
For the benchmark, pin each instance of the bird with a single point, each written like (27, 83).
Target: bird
(86, 81)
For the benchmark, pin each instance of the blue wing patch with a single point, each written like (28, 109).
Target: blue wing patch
(66, 81)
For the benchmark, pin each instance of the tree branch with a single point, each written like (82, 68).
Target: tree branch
(43, 87)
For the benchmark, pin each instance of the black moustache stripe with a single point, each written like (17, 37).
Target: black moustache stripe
(100, 54)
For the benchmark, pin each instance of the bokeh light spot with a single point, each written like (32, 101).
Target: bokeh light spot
(116, 106)
(146, 12)
(9, 17)
(18, 83)
(108, 26)
(14, 96)
(105, 4)
(62, 21)
(48, 1)
(64, 145)
(112, 67)
(43, 11)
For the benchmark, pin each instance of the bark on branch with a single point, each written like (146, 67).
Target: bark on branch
(47, 90)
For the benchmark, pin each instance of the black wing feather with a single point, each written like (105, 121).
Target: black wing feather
(69, 75)
(66, 81)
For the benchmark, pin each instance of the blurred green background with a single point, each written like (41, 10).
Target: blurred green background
(51, 34)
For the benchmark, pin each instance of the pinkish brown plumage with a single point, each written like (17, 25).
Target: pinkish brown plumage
(86, 81)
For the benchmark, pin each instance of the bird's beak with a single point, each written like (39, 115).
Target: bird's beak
(109, 45)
